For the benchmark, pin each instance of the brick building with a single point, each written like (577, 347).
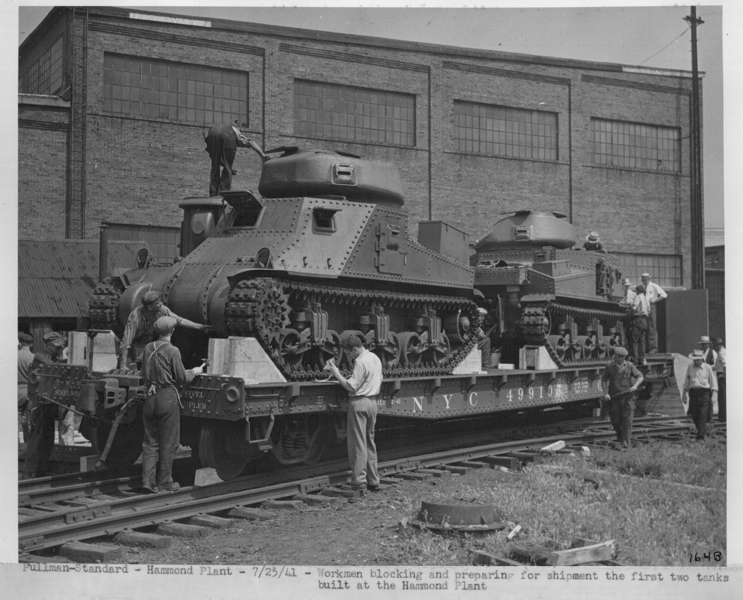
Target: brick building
(113, 105)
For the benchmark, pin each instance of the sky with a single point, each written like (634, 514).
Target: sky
(655, 37)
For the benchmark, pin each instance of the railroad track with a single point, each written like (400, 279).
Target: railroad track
(56, 511)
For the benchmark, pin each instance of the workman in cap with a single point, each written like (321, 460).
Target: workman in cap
(621, 379)
(655, 294)
(25, 358)
(221, 144)
(593, 242)
(483, 339)
(41, 415)
(140, 331)
(162, 371)
(700, 387)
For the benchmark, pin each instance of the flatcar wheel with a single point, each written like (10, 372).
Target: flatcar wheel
(410, 349)
(126, 445)
(222, 447)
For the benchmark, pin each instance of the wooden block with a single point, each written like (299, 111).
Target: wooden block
(90, 553)
(142, 540)
(251, 514)
(283, 504)
(510, 462)
(525, 457)
(388, 481)
(472, 464)
(472, 363)
(315, 499)
(415, 476)
(206, 476)
(434, 472)
(181, 530)
(210, 521)
(457, 470)
(480, 558)
(87, 463)
(336, 492)
(554, 447)
(577, 556)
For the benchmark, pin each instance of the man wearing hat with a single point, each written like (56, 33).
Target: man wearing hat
(629, 293)
(162, 371)
(25, 358)
(483, 339)
(710, 356)
(140, 331)
(593, 242)
(719, 369)
(655, 294)
(41, 416)
(700, 385)
(623, 378)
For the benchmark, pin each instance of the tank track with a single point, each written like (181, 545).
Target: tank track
(261, 308)
(103, 306)
(532, 327)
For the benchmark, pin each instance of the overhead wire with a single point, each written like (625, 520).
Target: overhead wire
(666, 46)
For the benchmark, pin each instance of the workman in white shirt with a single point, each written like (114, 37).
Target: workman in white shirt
(363, 387)
(719, 369)
(700, 386)
(654, 294)
(639, 326)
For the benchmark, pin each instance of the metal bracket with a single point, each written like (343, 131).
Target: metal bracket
(436, 385)
(396, 387)
(265, 440)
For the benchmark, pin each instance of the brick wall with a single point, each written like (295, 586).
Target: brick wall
(42, 171)
(138, 170)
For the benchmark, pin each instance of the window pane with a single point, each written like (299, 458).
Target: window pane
(176, 91)
(520, 133)
(354, 114)
(635, 146)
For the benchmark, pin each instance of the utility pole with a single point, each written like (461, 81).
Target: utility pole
(697, 212)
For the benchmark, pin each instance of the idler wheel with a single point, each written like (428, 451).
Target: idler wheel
(410, 349)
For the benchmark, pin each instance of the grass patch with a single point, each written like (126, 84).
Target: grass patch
(631, 497)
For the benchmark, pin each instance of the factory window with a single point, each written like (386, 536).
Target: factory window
(162, 241)
(636, 146)
(715, 287)
(503, 131)
(142, 87)
(323, 110)
(46, 74)
(665, 270)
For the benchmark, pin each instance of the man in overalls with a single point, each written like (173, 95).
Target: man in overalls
(162, 370)
(623, 378)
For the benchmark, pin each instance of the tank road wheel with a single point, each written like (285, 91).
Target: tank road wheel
(389, 352)
(439, 352)
(331, 348)
(410, 349)
(223, 447)
(291, 351)
(300, 440)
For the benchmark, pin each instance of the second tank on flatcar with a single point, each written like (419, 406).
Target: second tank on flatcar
(547, 292)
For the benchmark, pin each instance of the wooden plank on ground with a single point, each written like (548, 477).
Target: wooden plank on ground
(251, 514)
(142, 540)
(181, 530)
(90, 553)
(472, 464)
(577, 556)
(480, 558)
(510, 462)
(414, 475)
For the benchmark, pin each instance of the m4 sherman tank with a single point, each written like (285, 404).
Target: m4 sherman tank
(321, 254)
(548, 293)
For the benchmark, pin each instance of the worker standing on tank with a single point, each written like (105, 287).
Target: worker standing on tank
(221, 144)
(623, 378)
(25, 358)
(363, 387)
(593, 242)
(42, 415)
(629, 293)
(655, 294)
(140, 331)
(639, 326)
(162, 371)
